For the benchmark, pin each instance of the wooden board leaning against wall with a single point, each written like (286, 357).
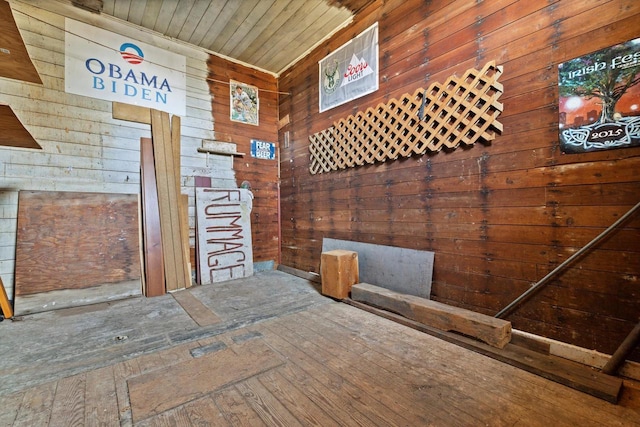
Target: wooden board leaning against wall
(498, 216)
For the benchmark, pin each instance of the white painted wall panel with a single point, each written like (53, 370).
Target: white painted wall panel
(84, 148)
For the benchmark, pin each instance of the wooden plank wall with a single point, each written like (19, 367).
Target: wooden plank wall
(83, 147)
(498, 217)
(262, 174)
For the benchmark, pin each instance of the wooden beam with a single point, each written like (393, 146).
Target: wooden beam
(495, 332)
(131, 113)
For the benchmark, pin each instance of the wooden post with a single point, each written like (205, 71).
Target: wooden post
(339, 271)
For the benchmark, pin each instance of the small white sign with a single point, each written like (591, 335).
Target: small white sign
(104, 65)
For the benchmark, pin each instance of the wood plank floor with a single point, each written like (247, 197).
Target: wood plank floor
(309, 361)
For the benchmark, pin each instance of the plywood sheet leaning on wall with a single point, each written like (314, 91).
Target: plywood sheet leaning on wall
(75, 249)
(224, 234)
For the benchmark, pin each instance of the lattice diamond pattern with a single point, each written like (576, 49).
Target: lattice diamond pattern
(461, 110)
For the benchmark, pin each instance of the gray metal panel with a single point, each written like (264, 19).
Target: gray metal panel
(408, 271)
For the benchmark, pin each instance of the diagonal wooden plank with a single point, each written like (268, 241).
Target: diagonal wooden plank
(199, 312)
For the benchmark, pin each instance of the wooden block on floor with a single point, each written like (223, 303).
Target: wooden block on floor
(339, 271)
(495, 332)
(161, 390)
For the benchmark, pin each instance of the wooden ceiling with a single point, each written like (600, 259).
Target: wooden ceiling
(268, 34)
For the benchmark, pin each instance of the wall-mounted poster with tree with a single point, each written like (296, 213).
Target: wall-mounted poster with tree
(600, 99)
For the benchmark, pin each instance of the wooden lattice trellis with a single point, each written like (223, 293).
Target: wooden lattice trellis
(462, 110)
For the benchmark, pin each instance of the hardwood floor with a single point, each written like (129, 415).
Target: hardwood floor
(310, 361)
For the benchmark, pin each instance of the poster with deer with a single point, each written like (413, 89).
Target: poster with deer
(351, 71)
(600, 99)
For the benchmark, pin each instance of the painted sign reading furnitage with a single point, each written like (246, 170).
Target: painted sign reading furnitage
(224, 234)
(104, 65)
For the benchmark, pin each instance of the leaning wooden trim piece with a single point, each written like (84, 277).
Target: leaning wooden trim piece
(4, 302)
(495, 332)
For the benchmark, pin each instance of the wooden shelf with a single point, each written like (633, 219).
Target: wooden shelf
(219, 152)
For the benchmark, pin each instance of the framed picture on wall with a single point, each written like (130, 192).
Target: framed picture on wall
(600, 99)
(244, 103)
